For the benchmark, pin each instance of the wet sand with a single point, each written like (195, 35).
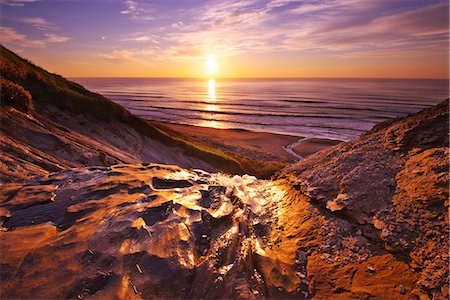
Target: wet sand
(310, 146)
(258, 145)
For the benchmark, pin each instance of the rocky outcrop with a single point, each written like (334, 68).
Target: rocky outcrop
(390, 188)
(143, 231)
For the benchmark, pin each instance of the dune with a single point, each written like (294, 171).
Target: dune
(151, 218)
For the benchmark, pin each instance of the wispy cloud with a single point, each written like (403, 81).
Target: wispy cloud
(39, 23)
(54, 38)
(400, 34)
(138, 11)
(350, 26)
(11, 36)
(117, 56)
(17, 3)
(142, 38)
(178, 32)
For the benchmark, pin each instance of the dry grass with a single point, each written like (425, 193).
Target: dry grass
(13, 95)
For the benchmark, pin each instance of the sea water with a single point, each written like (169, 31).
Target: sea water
(325, 108)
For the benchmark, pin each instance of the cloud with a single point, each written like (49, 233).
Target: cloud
(117, 56)
(142, 38)
(339, 28)
(415, 32)
(54, 38)
(39, 23)
(17, 3)
(177, 25)
(425, 21)
(356, 26)
(11, 36)
(137, 11)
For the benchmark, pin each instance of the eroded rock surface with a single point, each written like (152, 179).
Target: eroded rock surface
(135, 231)
(383, 194)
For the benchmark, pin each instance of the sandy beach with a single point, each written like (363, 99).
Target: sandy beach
(258, 145)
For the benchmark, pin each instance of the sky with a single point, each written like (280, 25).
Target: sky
(249, 38)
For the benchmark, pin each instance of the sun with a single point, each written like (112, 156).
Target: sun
(211, 65)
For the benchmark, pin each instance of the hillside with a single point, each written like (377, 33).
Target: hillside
(50, 123)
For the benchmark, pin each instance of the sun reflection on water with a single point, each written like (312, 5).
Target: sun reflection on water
(211, 124)
(211, 90)
(210, 107)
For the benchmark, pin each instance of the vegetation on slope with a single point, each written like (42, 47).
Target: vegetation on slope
(15, 96)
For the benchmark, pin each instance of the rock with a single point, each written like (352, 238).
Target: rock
(161, 183)
(392, 186)
(340, 202)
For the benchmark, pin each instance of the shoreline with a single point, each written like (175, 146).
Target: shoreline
(291, 148)
(264, 146)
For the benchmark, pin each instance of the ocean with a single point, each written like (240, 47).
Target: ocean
(324, 108)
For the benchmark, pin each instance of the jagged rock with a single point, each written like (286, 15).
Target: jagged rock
(393, 184)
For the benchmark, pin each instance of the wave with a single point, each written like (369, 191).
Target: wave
(198, 118)
(343, 107)
(256, 114)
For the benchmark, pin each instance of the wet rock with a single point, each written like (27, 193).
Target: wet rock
(159, 213)
(29, 196)
(89, 286)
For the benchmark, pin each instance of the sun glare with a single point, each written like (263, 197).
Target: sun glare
(210, 65)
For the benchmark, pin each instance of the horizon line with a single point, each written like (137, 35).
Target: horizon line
(228, 78)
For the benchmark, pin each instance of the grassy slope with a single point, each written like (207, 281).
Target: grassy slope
(49, 89)
(262, 168)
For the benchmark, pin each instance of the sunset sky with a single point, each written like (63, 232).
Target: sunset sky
(250, 38)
